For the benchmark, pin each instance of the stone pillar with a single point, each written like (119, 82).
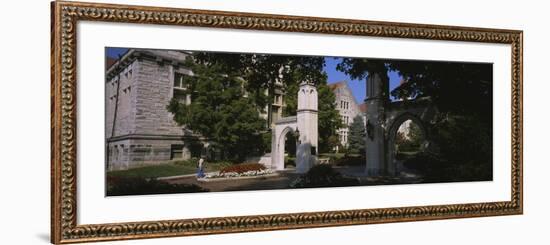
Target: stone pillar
(306, 152)
(274, 150)
(376, 100)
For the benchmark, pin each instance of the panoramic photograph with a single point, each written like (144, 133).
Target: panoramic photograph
(185, 121)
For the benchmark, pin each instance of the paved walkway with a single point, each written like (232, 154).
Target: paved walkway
(405, 177)
(280, 181)
(284, 178)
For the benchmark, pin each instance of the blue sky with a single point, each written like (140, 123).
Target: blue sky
(357, 87)
(114, 52)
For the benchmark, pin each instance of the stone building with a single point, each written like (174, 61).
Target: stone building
(347, 107)
(139, 130)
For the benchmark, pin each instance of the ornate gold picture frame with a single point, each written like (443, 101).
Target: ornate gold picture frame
(66, 15)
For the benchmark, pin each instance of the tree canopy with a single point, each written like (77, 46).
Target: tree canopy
(220, 111)
(462, 93)
(265, 72)
(229, 93)
(456, 87)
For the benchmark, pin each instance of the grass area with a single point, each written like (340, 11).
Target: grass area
(290, 161)
(342, 159)
(141, 186)
(332, 156)
(167, 169)
(404, 155)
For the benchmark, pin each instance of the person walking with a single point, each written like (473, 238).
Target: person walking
(200, 168)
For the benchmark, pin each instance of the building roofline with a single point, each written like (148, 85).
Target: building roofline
(149, 54)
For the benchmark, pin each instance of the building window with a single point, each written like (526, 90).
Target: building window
(176, 151)
(277, 100)
(116, 152)
(180, 82)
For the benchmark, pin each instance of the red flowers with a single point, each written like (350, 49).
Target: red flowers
(242, 168)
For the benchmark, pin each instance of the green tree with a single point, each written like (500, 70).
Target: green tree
(459, 88)
(415, 135)
(462, 93)
(328, 117)
(329, 120)
(266, 72)
(409, 137)
(334, 142)
(220, 111)
(357, 135)
(291, 99)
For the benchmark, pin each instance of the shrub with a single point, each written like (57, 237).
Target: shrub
(120, 186)
(242, 168)
(349, 160)
(434, 168)
(290, 161)
(323, 176)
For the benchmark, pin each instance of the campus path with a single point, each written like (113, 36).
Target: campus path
(280, 181)
(284, 178)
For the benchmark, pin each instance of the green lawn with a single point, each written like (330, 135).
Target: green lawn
(404, 155)
(332, 156)
(167, 169)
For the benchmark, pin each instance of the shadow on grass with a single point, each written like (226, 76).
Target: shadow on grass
(122, 186)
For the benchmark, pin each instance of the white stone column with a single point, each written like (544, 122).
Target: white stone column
(306, 153)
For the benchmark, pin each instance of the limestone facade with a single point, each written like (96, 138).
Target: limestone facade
(347, 107)
(139, 130)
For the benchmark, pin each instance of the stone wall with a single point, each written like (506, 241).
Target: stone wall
(123, 102)
(135, 152)
(347, 108)
(144, 131)
(154, 92)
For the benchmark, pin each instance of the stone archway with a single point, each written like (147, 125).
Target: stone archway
(393, 167)
(383, 118)
(304, 125)
(282, 127)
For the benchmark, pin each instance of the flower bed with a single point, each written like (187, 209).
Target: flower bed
(241, 170)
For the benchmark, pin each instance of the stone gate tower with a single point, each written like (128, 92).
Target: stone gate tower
(307, 145)
(303, 126)
(377, 97)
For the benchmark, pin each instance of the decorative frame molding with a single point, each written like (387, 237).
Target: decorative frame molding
(65, 15)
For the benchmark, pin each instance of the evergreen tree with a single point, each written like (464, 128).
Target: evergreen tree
(357, 135)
